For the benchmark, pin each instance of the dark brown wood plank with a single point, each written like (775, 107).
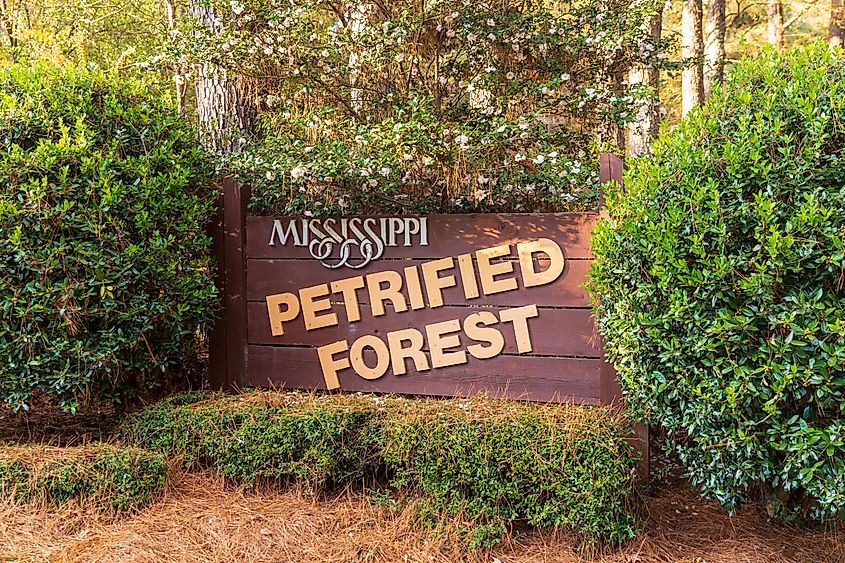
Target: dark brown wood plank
(450, 235)
(555, 332)
(267, 277)
(235, 200)
(517, 377)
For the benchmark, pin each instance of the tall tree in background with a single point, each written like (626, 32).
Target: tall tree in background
(774, 12)
(692, 50)
(644, 129)
(836, 31)
(714, 44)
(224, 113)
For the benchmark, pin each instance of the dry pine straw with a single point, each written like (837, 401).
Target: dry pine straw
(201, 519)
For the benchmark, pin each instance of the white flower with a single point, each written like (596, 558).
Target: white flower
(373, 183)
(523, 126)
(298, 172)
(385, 171)
(472, 37)
(269, 175)
(553, 154)
(491, 36)
(309, 213)
(501, 129)
(341, 202)
(539, 159)
(519, 157)
(461, 139)
(490, 69)
(491, 22)
(510, 76)
(237, 8)
(399, 58)
(450, 34)
(427, 161)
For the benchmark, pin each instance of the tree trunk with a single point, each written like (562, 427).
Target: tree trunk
(692, 47)
(714, 44)
(775, 17)
(224, 114)
(643, 131)
(836, 31)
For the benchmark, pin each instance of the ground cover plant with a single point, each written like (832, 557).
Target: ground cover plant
(720, 286)
(486, 462)
(106, 476)
(105, 268)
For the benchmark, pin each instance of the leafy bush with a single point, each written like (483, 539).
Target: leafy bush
(720, 283)
(104, 261)
(491, 462)
(108, 476)
(321, 441)
(494, 462)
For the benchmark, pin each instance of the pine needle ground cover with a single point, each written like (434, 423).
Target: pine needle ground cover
(488, 463)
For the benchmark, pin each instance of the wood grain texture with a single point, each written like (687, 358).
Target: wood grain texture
(518, 377)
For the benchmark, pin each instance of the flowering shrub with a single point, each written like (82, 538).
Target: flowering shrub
(446, 105)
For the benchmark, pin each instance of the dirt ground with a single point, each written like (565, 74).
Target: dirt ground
(200, 518)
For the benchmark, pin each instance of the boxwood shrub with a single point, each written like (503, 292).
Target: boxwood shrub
(483, 462)
(496, 462)
(720, 285)
(107, 476)
(322, 441)
(104, 257)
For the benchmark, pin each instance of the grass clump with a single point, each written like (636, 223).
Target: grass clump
(484, 463)
(117, 478)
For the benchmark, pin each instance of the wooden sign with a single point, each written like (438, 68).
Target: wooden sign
(432, 305)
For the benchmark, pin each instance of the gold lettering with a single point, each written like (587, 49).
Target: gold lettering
(279, 317)
(379, 294)
(348, 288)
(468, 276)
(526, 250)
(434, 284)
(519, 317)
(329, 365)
(488, 271)
(398, 353)
(312, 304)
(477, 327)
(442, 336)
(356, 355)
(412, 282)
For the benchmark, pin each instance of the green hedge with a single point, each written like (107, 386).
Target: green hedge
(489, 462)
(720, 283)
(323, 441)
(107, 476)
(105, 264)
(496, 462)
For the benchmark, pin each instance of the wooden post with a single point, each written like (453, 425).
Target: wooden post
(610, 170)
(217, 334)
(227, 342)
